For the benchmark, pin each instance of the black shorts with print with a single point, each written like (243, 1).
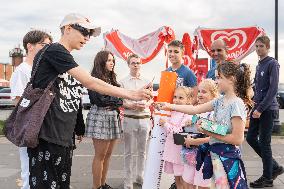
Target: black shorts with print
(50, 166)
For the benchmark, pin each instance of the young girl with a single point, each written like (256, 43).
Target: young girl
(103, 123)
(222, 153)
(173, 164)
(207, 91)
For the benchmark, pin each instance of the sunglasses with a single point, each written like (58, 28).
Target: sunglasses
(43, 44)
(217, 50)
(82, 30)
(135, 63)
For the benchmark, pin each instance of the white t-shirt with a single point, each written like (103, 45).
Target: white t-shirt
(19, 79)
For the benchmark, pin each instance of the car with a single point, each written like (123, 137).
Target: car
(6, 98)
(280, 95)
(86, 100)
(1, 87)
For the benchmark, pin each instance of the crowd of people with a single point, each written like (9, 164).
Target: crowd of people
(224, 97)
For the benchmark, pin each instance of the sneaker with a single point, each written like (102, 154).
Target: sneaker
(173, 186)
(106, 186)
(127, 185)
(277, 172)
(19, 182)
(139, 180)
(261, 183)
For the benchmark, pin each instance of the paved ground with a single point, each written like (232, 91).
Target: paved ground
(81, 170)
(5, 112)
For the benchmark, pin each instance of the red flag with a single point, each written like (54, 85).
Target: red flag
(188, 53)
(147, 47)
(240, 41)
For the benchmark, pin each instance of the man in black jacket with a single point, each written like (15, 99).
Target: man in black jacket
(265, 109)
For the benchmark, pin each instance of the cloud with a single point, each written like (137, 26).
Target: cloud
(135, 19)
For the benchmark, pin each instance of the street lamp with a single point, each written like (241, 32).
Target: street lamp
(276, 121)
(276, 29)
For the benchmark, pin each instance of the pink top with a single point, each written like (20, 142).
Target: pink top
(174, 125)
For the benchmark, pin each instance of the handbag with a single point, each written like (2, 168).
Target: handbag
(23, 125)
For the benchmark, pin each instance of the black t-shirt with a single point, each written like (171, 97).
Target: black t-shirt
(59, 122)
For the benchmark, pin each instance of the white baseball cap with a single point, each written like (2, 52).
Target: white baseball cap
(75, 18)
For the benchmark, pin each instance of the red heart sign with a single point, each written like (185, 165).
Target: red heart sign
(240, 41)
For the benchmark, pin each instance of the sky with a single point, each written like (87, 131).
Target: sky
(136, 19)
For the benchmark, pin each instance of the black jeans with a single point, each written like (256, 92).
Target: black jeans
(259, 138)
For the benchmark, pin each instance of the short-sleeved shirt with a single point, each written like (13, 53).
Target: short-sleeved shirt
(134, 83)
(186, 77)
(59, 122)
(19, 79)
(224, 113)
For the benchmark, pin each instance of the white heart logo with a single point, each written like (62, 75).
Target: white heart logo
(231, 35)
(25, 102)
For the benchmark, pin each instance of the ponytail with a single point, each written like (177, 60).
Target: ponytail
(243, 84)
(241, 73)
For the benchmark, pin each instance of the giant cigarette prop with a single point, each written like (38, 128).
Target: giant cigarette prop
(154, 162)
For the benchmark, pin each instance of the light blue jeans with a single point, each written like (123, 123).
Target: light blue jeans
(25, 173)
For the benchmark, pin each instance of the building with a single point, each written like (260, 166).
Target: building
(6, 69)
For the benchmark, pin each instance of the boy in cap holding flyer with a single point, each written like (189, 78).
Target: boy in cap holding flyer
(50, 161)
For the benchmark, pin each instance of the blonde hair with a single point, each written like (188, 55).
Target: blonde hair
(211, 86)
(188, 92)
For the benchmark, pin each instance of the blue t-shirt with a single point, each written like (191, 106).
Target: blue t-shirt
(211, 74)
(186, 77)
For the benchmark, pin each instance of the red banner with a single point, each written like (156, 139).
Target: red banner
(147, 47)
(201, 68)
(188, 52)
(240, 41)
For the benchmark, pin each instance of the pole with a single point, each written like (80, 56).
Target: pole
(276, 121)
(276, 29)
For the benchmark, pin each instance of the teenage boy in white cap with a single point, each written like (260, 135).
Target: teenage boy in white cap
(50, 161)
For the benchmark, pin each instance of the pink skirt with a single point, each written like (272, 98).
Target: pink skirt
(173, 168)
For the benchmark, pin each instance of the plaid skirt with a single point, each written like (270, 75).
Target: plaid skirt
(103, 123)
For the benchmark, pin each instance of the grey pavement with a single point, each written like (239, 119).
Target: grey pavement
(81, 170)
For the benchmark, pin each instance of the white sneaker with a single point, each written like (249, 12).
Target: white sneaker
(127, 185)
(19, 182)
